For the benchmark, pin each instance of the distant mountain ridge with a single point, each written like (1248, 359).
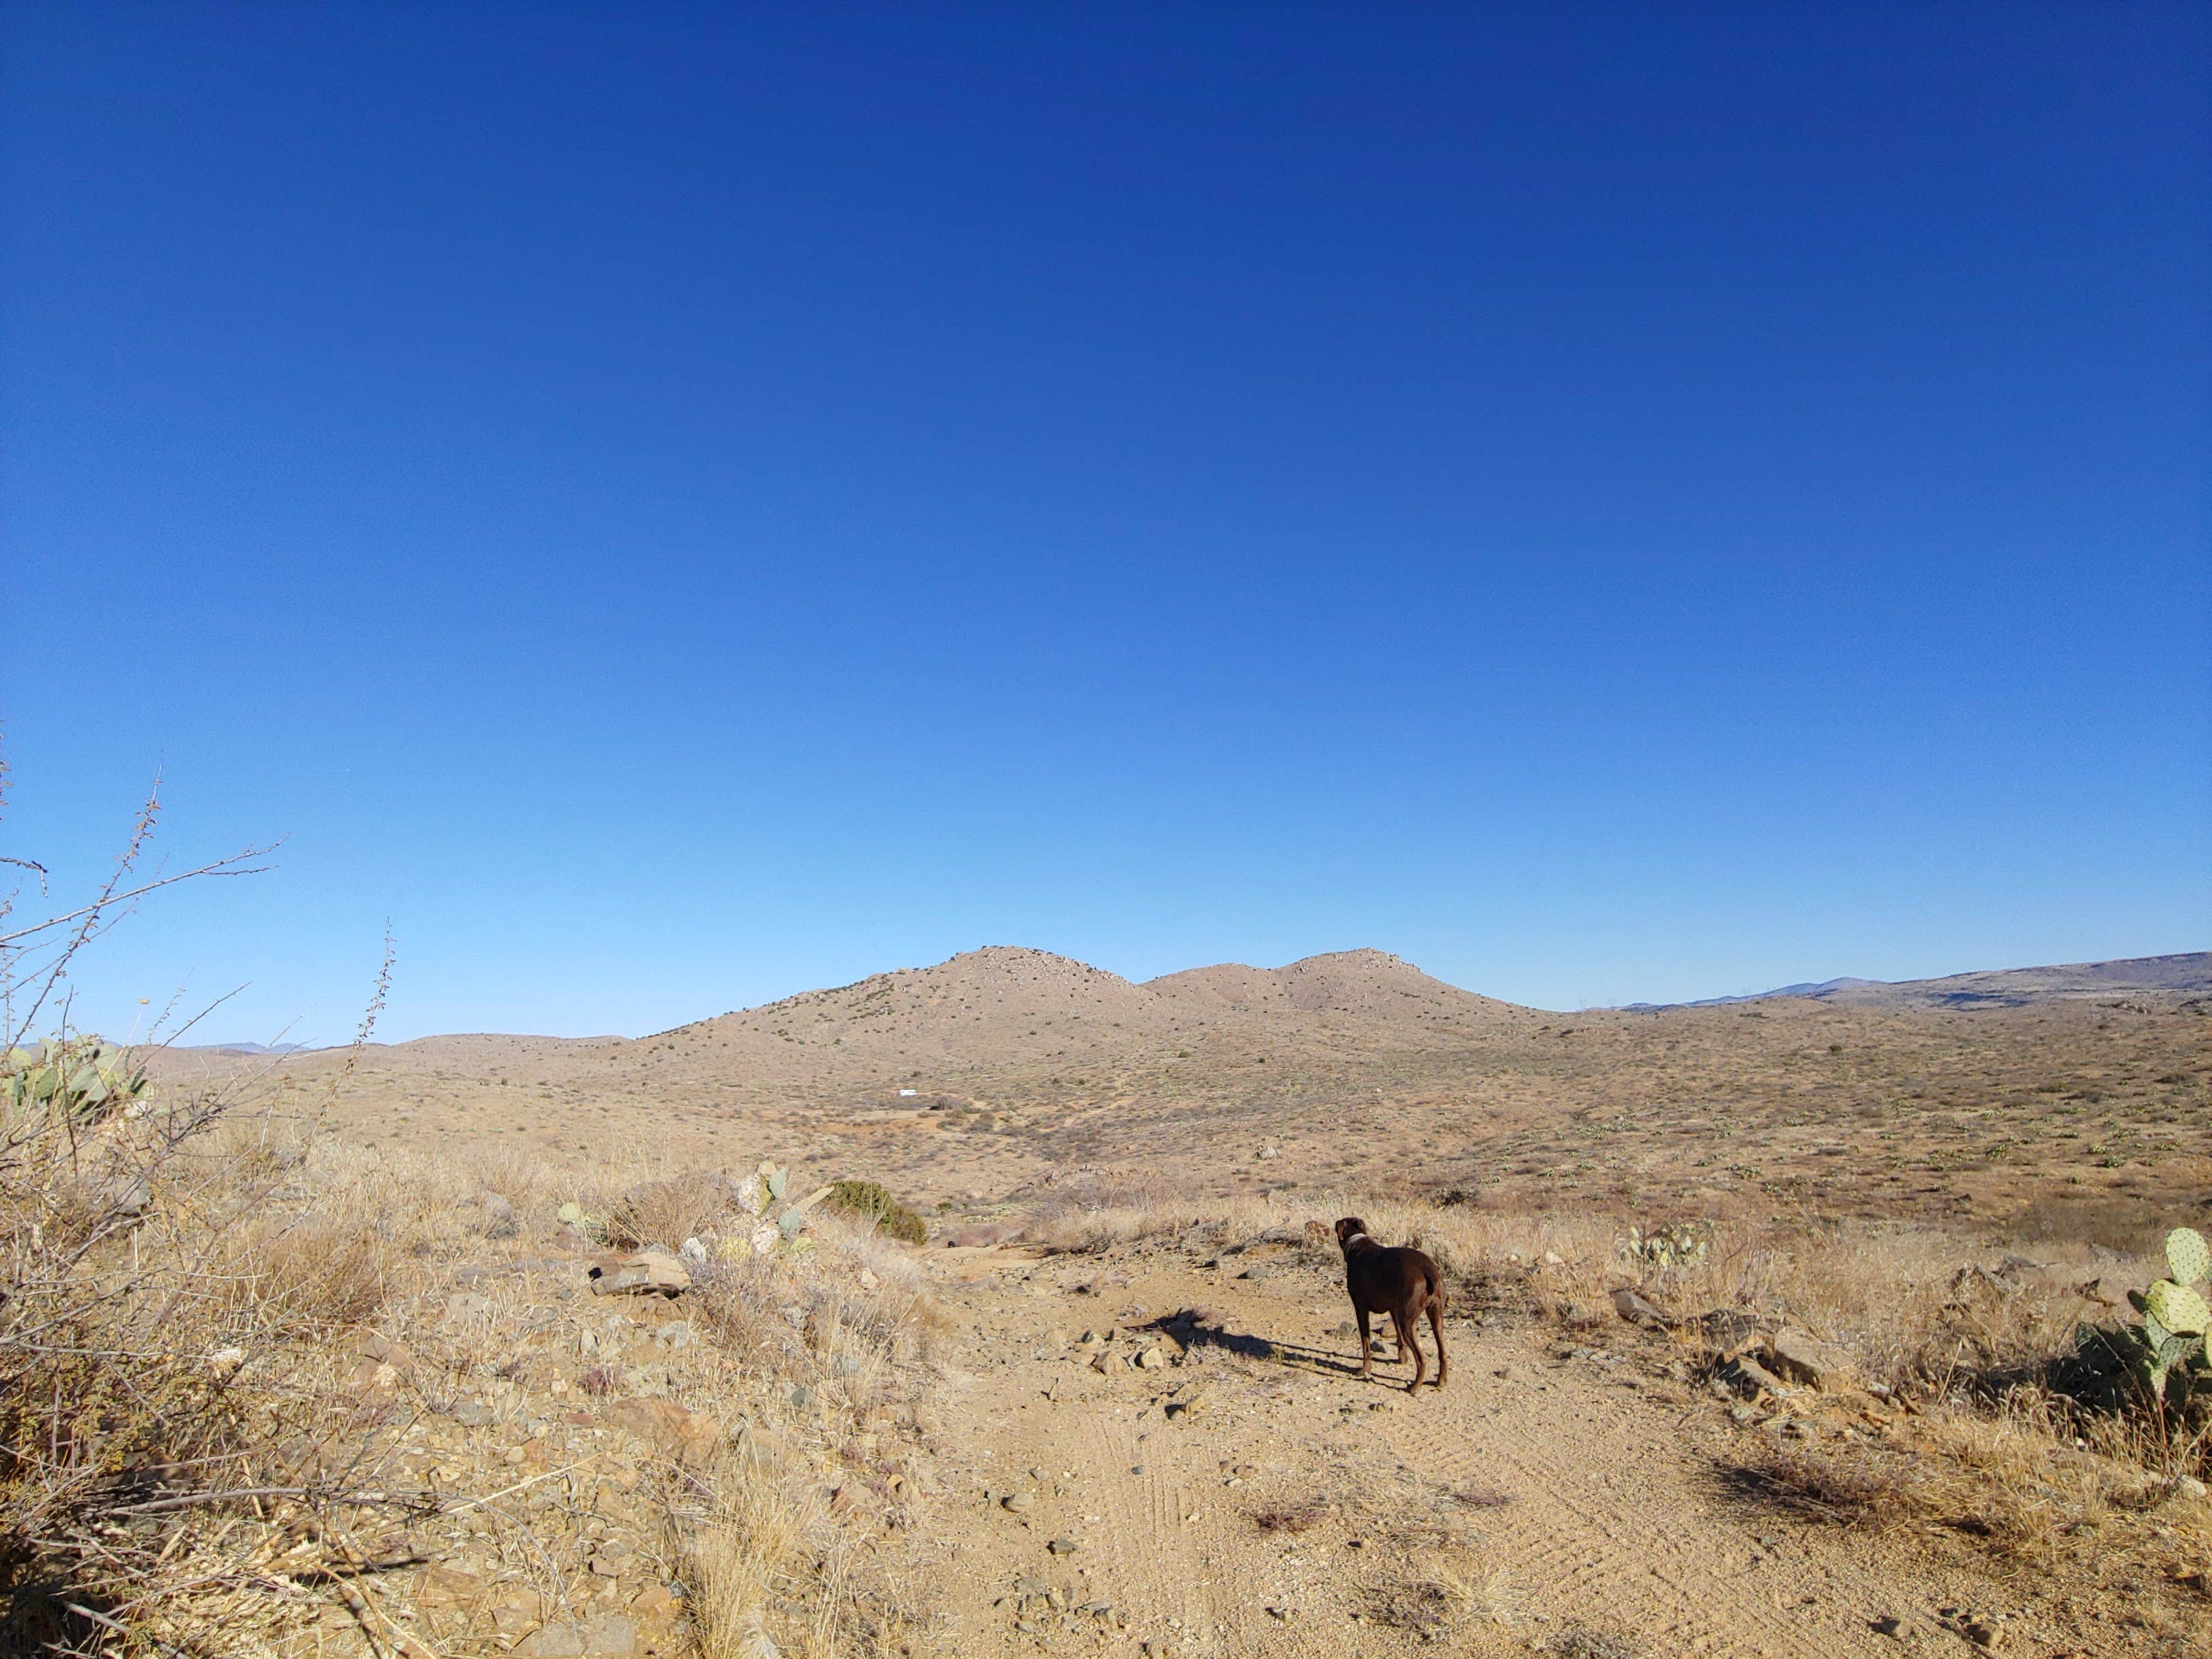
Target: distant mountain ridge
(2186, 973)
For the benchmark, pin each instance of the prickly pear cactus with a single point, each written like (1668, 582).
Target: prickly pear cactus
(80, 1078)
(758, 1196)
(1680, 1244)
(2169, 1346)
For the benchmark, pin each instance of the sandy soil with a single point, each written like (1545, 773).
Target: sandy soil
(1537, 1503)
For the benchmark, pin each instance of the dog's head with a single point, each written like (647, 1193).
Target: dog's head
(1349, 1227)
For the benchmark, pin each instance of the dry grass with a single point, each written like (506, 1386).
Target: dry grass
(190, 1443)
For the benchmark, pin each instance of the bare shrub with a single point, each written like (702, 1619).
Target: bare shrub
(668, 1210)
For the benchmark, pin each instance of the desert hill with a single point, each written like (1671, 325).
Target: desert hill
(1366, 986)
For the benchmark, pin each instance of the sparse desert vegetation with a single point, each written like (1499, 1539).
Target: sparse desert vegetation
(383, 1351)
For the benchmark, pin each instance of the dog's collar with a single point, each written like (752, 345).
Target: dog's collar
(1354, 1239)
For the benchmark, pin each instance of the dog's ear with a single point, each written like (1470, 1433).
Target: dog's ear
(1349, 1226)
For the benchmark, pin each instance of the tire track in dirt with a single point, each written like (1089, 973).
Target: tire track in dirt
(1613, 1526)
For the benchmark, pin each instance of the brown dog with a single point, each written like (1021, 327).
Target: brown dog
(1401, 1283)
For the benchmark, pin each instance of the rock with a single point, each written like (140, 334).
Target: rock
(1801, 1358)
(1062, 1547)
(689, 1437)
(1553, 1258)
(472, 1413)
(693, 1255)
(974, 1237)
(1746, 1376)
(1632, 1306)
(647, 1272)
(1510, 1374)
(1152, 1359)
(1190, 1406)
(2102, 1291)
(1727, 1327)
(1107, 1362)
(2190, 1487)
(130, 1199)
(373, 1344)
(1888, 1625)
(467, 1308)
(448, 1587)
(499, 1220)
(603, 1635)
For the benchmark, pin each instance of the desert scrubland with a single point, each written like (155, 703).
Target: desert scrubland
(1773, 1327)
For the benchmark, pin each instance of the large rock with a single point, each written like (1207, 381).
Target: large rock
(1747, 1377)
(1802, 1358)
(647, 1272)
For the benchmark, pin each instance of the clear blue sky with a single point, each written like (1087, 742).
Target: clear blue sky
(673, 506)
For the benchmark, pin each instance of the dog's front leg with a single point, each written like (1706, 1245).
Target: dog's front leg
(1366, 1345)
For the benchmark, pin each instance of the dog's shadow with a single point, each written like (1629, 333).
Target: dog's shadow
(1298, 1356)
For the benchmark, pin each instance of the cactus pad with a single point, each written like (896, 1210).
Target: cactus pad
(2176, 1307)
(2186, 1255)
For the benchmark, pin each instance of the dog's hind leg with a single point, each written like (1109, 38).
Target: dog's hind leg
(1436, 1329)
(1404, 1321)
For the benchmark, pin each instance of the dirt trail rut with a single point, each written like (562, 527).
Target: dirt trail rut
(1532, 1506)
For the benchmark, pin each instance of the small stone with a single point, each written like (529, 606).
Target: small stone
(1062, 1547)
(1018, 1501)
(647, 1272)
(1636, 1308)
(472, 1413)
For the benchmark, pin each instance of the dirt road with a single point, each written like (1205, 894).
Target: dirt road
(1244, 1493)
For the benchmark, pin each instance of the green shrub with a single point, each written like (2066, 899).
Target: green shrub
(865, 1198)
